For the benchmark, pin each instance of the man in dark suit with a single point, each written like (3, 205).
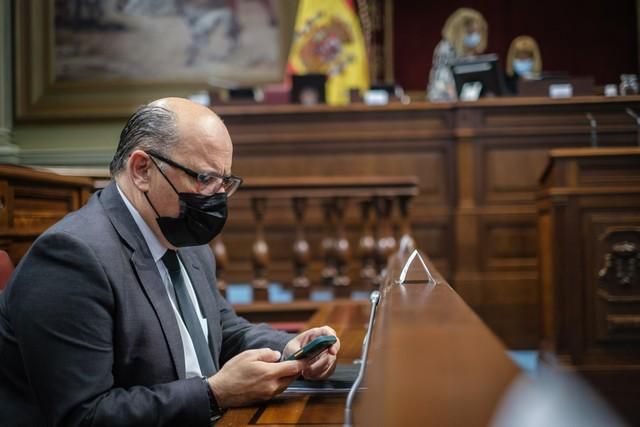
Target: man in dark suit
(113, 317)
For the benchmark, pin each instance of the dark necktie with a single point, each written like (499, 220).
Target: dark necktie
(188, 313)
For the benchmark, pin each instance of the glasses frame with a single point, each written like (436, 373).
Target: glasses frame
(234, 181)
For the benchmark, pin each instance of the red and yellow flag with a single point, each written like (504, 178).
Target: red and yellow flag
(328, 39)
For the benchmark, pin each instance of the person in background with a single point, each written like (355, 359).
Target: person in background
(468, 32)
(523, 61)
(464, 34)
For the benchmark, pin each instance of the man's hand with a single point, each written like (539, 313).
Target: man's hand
(253, 376)
(322, 366)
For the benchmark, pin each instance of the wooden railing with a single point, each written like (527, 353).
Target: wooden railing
(329, 232)
(361, 219)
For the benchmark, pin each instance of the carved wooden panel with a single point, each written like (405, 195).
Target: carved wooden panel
(614, 279)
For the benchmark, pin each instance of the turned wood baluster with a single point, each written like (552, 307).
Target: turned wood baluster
(342, 252)
(260, 256)
(386, 243)
(367, 246)
(222, 262)
(407, 244)
(301, 253)
(328, 244)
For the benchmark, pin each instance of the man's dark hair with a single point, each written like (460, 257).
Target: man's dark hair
(149, 128)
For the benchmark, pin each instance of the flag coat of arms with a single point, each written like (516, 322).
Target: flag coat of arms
(328, 40)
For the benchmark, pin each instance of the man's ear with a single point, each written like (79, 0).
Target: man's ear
(139, 165)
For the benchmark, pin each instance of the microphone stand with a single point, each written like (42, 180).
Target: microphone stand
(348, 417)
(594, 126)
(637, 119)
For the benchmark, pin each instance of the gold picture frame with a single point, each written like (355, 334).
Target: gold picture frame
(40, 94)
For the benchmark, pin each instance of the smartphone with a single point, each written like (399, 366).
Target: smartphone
(314, 348)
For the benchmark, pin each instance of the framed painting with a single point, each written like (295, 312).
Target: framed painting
(103, 58)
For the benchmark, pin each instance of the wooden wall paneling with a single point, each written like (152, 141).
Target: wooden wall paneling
(508, 241)
(547, 267)
(502, 152)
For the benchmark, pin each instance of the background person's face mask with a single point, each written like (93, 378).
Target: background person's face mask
(523, 66)
(472, 40)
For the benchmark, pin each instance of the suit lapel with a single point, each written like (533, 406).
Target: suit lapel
(147, 272)
(208, 305)
(154, 289)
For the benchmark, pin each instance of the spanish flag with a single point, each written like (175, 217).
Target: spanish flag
(327, 39)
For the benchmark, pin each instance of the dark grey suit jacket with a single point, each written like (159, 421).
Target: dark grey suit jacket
(88, 335)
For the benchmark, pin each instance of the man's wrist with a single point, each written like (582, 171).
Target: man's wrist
(215, 411)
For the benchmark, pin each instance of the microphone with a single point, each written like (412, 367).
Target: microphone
(348, 418)
(594, 127)
(637, 119)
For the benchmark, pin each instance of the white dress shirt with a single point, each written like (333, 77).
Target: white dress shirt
(192, 367)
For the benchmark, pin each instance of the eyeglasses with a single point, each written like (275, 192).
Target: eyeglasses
(210, 182)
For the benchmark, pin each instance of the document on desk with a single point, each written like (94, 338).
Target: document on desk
(338, 383)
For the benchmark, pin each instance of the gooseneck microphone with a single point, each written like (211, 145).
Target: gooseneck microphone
(348, 417)
(594, 130)
(637, 119)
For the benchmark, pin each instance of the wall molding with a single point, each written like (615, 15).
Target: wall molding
(72, 157)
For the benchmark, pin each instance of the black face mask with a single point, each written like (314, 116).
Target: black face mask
(201, 218)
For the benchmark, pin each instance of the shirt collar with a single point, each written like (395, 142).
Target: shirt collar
(156, 248)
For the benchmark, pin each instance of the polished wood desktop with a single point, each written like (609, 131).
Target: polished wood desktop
(349, 319)
(432, 362)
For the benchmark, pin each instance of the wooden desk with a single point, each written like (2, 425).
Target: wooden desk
(477, 164)
(349, 319)
(432, 363)
(31, 201)
(589, 227)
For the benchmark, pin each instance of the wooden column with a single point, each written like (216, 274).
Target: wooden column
(386, 243)
(406, 244)
(260, 252)
(328, 244)
(301, 253)
(342, 251)
(222, 261)
(367, 246)
(312, 211)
